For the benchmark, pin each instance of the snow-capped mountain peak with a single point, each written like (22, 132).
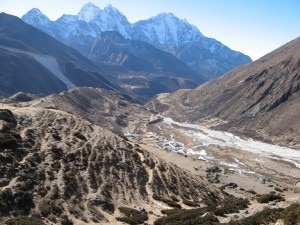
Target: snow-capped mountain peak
(89, 12)
(111, 19)
(112, 9)
(114, 13)
(166, 29)
(36, 17)
(165, 15)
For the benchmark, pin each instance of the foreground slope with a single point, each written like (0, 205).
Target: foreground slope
(32, 61)
(259, 100)
(62, 168)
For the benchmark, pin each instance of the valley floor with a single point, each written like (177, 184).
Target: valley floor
(255, 167)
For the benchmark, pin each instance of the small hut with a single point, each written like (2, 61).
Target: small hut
(297, 187)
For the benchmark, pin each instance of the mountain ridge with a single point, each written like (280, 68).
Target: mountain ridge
(34, 62)
(164, 31)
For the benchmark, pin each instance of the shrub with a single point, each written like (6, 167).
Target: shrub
(292, 215)
(79, 136)
(170, 211)
(264, 217)
(174, 198)
(230, 205)
(8, 142)
(190, 203)
(132, 216)
(169, 202)
(23, 220)
(269, 198)
(188, 217)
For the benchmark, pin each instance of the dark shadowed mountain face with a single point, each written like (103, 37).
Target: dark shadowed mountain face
(32, 61)
(206, 56)
(113, 49)
(20, 72)
(145, 85)
(261, 99)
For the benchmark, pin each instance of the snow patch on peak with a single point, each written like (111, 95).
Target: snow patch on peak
(165, 14)
(114, 13)
(166, 29)
(35, 16)
(109, 7)
(35, 11)
(89, 12)
(111, 19)
(67, 19)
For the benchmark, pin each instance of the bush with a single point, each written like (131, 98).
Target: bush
(8, 142)
(15, 201)
(269, 198)
(231, 205)
(188, 217)
(169, 202)
(23, 220)
(190, 203)
(79, 136)
(170, 211)
(132, 216)
(264, 217)
(292, 215)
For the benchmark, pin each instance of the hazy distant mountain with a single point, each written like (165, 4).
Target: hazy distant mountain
(261, 99)
(32, 61)
(113, 49)
(206, 56)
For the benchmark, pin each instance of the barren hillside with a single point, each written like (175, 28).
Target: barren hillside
(259, 100)
(63, 168)
(115, 111)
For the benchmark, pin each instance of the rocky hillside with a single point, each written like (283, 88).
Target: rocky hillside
(64, 169)
(260, 100)
(206, 56)
(34, 62)
(115, 111)
(42, 65)
(113, 49)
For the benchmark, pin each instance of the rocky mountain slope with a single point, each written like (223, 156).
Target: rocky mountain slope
(113, 49)
(145, 85)
(65, 169)
(32, 61)
(206, 56)
(61, 167)
(105, 108)
(260, 100)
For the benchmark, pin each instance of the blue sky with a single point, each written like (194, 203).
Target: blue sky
(254, 27)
